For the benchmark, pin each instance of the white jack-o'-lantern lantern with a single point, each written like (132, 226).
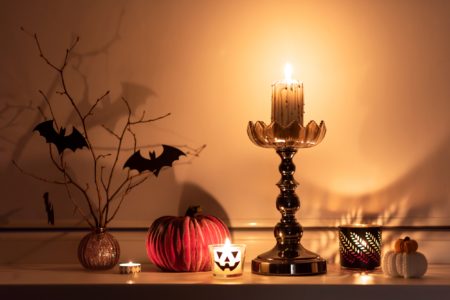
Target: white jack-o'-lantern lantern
(227, 259)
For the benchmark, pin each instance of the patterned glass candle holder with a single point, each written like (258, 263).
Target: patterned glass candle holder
(227, 260)
(360, 246)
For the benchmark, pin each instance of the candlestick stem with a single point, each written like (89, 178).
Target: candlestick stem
(288, 231)
(288, 257)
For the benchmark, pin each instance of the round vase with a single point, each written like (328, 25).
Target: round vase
(98, 250)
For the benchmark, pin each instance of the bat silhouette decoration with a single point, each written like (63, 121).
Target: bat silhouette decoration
(49, 209)
(154, 164)
(73, 141)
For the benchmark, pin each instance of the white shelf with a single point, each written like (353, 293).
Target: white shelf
(72, 282)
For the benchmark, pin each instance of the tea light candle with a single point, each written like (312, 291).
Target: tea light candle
(360, 246)
(227, 260)
(287, 99)
(130, 268)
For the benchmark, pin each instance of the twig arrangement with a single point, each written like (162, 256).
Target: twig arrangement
(109, 185)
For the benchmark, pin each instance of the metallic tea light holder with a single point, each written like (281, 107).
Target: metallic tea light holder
(129, 268)
(288, 257)
(360, 246)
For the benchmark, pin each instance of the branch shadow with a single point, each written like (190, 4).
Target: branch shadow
(75, 60)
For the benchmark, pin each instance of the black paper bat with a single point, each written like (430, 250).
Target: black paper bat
(154, 164)
(73, 141)
(49, 210)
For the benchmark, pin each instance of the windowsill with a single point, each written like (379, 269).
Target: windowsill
(73, 282)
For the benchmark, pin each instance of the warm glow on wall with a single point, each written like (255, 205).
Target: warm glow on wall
(371, 71)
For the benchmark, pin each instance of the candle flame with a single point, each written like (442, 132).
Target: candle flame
(288, 72)
(227, 242)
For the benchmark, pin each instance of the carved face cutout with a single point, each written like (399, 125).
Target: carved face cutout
(227, 259)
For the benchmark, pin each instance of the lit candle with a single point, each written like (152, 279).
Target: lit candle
(129, 268)
(360, 246)
(287, 99)
(227, 260)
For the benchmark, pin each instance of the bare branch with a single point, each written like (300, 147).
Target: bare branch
(41, 112)
(26, 32)
(89, 113)
(134, 138)
(103, 156)
(125, 182)
(53, 159)
(111, 132)
(41, 54)
(66, 58)
(37, 177)
(142, 120)
(127, 105)
(69, 195)
(101, 178)
(116, 159)
(50, 107)
(195, 151)
(108, 187)
(61, 166)
(80, 116)
(128, 190)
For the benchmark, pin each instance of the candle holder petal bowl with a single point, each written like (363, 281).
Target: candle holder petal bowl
(294, 135)
(288, 257)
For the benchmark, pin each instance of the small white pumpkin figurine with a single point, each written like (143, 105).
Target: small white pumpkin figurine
(404, 261)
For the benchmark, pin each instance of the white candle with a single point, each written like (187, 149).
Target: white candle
(287, 99)
(227, 260)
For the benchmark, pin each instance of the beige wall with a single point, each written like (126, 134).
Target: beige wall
(375, 71)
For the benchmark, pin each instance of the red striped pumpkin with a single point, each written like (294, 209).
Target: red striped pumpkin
(180, 244)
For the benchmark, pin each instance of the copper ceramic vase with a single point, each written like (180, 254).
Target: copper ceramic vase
(98, 250)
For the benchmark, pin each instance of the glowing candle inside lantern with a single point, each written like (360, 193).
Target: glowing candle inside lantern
(227, 260)
(360, 246)
(287, 99)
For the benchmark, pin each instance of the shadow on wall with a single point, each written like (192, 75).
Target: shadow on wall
(110, 112)
(23, 192)
(107, 114)
(75, 60)
(193, 194)
(413, 200)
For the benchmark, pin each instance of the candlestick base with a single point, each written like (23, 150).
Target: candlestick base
(304, 263)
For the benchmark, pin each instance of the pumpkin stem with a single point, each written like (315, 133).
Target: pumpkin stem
(193, 211)
(406, 238)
